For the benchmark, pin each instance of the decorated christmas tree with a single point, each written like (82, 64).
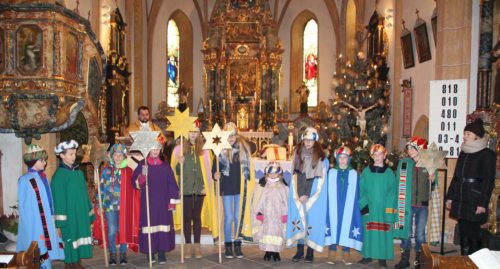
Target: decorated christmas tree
(359, 107)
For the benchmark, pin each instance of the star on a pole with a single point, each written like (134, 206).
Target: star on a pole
(181, 123)
(144, 141)
(216, 140)
(432, 159)
(96, 151)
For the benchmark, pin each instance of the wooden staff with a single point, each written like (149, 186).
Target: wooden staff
(147, 213)
(181, 194)
(217, 193)
(101, 212)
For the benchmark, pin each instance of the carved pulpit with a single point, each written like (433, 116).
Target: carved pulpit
(242, 61)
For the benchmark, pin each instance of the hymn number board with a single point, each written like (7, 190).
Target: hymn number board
(447, 114)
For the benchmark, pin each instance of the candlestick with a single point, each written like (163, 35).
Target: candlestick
(275, 106)
(260, 106)
(290, 143)
(210, 105)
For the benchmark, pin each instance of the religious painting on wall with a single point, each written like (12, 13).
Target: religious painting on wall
(29, 45)
(243, 78)
(311, 68)
(2, 50)
(243, 32)
(243, 4)
(173, 42)
(422, 42)
(72, 56)
(407, 49)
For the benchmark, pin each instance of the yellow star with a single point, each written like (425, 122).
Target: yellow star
(97, 152)
(432, 159)
(216, 140)
(181, 123)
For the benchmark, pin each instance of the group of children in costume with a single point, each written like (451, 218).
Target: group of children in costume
(319, 207)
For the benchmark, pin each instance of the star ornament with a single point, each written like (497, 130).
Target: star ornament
(216, 140)
(144, 141)
(96, 151)
(181, 123)
(432, 159)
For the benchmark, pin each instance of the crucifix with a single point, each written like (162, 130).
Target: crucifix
(360, 115)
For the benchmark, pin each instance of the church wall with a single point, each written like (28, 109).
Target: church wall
(12, 168)
(159, 52)
(326, 51)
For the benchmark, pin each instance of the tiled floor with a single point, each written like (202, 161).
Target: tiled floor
(253, 259)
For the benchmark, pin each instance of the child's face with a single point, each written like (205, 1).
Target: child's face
(342, 161)
(39, 165)
(117, 158)
(193, 136)
(308, 143)
(273, 177)
(154, 153)
(378, 158)
(412, 152)
(69, 157)
(231, 139)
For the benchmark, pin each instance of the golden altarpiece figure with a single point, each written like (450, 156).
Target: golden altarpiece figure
(242, 62)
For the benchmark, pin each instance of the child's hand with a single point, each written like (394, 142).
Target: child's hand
(181, 159)
(303, 199)
(144, 170)
(217, 176)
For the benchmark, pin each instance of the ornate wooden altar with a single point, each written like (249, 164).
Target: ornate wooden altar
(117, 91)
(242, 61)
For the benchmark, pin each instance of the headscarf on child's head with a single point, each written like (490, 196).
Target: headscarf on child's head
(343, 150)
(118, 148)
(317, 151)
(272, 168)
(33, 154)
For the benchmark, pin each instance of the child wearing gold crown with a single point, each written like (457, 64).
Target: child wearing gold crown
(36, 209)
(344, 227)
(269, 212)
(377, 185)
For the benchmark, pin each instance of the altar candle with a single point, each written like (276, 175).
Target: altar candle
(224, 104)
(260, 106)
(290, 143)
(210, 105)
(275, 105)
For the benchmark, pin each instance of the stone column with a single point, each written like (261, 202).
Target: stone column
(485, 47)
(453, 56)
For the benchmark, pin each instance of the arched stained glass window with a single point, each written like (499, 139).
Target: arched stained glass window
(173, 42)
(310, 56)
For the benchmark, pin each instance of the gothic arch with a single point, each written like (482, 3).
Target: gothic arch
(185, 52)
(296, 50)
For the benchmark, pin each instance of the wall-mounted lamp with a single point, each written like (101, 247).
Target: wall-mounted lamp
(389, 18)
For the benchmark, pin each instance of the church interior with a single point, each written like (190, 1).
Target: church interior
(361, 72)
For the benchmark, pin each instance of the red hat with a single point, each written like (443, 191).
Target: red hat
(417, 143)
(196, 125)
